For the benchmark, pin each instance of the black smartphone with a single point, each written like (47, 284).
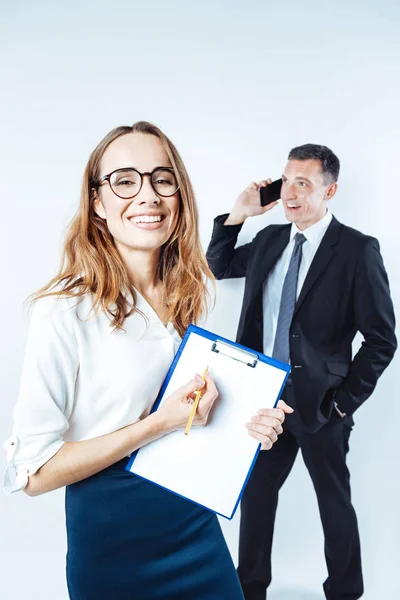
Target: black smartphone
(271, 192)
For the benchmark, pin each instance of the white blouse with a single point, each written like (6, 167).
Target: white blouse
(82, 379)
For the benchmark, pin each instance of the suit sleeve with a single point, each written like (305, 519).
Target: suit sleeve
(374, 314)
(226, 261)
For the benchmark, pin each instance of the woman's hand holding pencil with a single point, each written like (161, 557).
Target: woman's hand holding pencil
(191, 402)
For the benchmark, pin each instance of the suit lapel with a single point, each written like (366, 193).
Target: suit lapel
(321, 260)
(271, 251)
(271, 248)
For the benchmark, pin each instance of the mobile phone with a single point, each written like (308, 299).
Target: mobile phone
(271, 192)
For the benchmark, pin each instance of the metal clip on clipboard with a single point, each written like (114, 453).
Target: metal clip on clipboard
(248, 358)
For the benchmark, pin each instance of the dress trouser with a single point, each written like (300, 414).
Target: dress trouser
(324, 454)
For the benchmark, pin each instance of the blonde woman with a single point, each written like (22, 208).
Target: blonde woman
(103, 333)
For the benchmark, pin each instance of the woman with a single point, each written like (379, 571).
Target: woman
(102, 336)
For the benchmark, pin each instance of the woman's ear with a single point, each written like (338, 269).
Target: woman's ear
(98, 205)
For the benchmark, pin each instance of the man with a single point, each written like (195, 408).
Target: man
(310, 286)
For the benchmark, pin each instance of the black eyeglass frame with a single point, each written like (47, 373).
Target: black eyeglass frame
(97, 184)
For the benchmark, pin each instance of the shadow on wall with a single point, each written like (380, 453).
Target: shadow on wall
(294, 595)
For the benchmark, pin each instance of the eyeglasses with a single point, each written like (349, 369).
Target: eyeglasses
(126, 183)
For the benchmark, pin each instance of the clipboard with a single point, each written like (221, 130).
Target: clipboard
(212, 464)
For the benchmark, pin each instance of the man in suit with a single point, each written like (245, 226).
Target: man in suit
(310, 286)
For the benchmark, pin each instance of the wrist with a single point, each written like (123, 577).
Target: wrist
(235, 218)
(157, 424)
(160, 423)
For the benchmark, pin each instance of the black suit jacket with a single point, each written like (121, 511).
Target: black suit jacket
(346, 290)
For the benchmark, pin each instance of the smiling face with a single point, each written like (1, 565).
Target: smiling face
(305, 193)
(146, 221)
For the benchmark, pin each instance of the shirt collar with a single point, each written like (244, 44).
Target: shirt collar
(314, 233)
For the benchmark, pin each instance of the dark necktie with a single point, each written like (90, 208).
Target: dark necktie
(288, 302)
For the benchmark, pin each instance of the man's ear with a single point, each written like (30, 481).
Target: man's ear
(331, 190)
(98, 205)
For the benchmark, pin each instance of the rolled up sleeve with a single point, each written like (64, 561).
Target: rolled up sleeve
(46, 394)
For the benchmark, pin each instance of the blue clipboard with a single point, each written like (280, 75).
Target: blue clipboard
(204, 467)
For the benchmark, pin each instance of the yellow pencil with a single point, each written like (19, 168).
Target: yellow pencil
(195, 405)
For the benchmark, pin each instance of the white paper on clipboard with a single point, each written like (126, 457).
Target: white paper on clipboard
(211, 465)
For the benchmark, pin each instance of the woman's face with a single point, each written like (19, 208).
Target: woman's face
(146, 221)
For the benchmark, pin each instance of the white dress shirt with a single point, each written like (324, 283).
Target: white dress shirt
(82, 379)
(273, 285)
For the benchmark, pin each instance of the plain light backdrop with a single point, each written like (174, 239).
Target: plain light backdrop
(235, 85)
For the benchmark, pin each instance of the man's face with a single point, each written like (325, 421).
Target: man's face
(305, 193)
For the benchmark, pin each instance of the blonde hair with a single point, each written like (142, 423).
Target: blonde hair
(91, 263)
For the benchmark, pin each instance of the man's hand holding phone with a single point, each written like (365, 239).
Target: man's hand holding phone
(248, 204)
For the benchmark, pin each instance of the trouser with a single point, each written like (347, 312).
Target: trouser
(324, 454)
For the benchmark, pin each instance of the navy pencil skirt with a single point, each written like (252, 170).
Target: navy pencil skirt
(131, 540)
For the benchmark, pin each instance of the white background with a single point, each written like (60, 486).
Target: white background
(235, 85)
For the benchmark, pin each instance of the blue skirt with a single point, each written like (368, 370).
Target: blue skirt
(131, 540)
